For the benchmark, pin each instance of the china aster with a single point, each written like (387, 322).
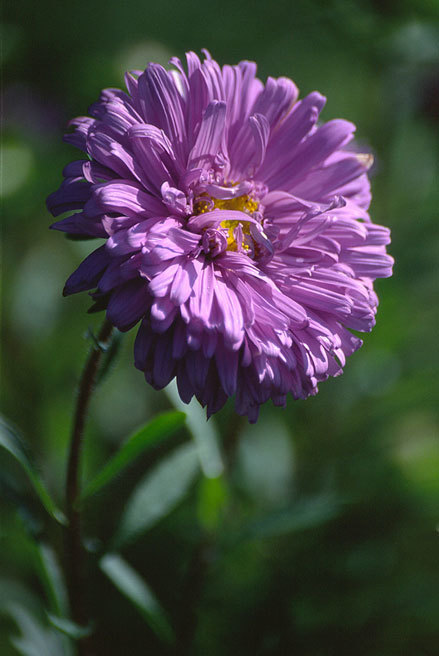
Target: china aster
(236, 231)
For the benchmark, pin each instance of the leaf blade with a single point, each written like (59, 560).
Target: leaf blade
(158, 493)
(52, 579)
(159, 427)
(10, 441)
(35, 639)
(303, 515)
(204, 433)
(136, 590)
(69, 628)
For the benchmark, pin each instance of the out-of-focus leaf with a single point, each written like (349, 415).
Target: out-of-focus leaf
(23, 505)
(35, 639)
(134, 588)
(14, 592)
(52, 579)
(211, 499)
(301, 516)
(158, 493)
(204, 432)
(155, 430)
(69, 628)
(10, 441)
(266, 466)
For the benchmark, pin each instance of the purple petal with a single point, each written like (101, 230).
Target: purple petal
(210, 135)
(72, 195)
(128, 304)
(228, 314)
(123, 197)
(162, 106)
(88, 273)
(281, 150)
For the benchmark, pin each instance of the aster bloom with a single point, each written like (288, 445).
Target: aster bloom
(236, 231)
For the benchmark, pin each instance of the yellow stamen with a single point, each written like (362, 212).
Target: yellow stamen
(240, 203)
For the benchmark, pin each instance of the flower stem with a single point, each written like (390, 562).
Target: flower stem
(74, 548)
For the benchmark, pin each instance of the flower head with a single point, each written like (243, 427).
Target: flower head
(236, 231)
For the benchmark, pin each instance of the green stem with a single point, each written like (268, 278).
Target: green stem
(74, 549)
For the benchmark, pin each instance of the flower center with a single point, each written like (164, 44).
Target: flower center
(206, 203)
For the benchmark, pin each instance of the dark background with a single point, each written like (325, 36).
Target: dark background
(329, 542)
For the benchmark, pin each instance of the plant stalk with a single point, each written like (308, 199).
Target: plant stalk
(74, 549)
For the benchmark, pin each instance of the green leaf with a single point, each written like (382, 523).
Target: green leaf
(23, 504)
(212, 497)
(69, 628)
(52, 579)
(10, 441)
(204, 432)
(157, 429)
(303, 515)
(15, 592)
(35, 639)
(134, 588)
(158, 493)
(266, 466)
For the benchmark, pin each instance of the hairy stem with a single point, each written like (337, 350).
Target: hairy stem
(74, 548)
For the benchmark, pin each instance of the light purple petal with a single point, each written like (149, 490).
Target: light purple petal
(123, 197)
(210, 135)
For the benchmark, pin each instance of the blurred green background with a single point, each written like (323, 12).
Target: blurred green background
(328, 542)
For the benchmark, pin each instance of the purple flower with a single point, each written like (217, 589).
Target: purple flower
(236, 231)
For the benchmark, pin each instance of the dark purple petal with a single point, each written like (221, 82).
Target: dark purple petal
(73, 194)
(128, 304)
(78, 137)
(88, 273)
(79, 224)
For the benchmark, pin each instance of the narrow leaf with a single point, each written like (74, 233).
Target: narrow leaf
(204, 432)
(52, 579)
(24, 505)
(303, 515)
(212, 497)
(10, 441)
(134, 588)
(69, 628)
(152, 432)
(35, 639)
(158, 493)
